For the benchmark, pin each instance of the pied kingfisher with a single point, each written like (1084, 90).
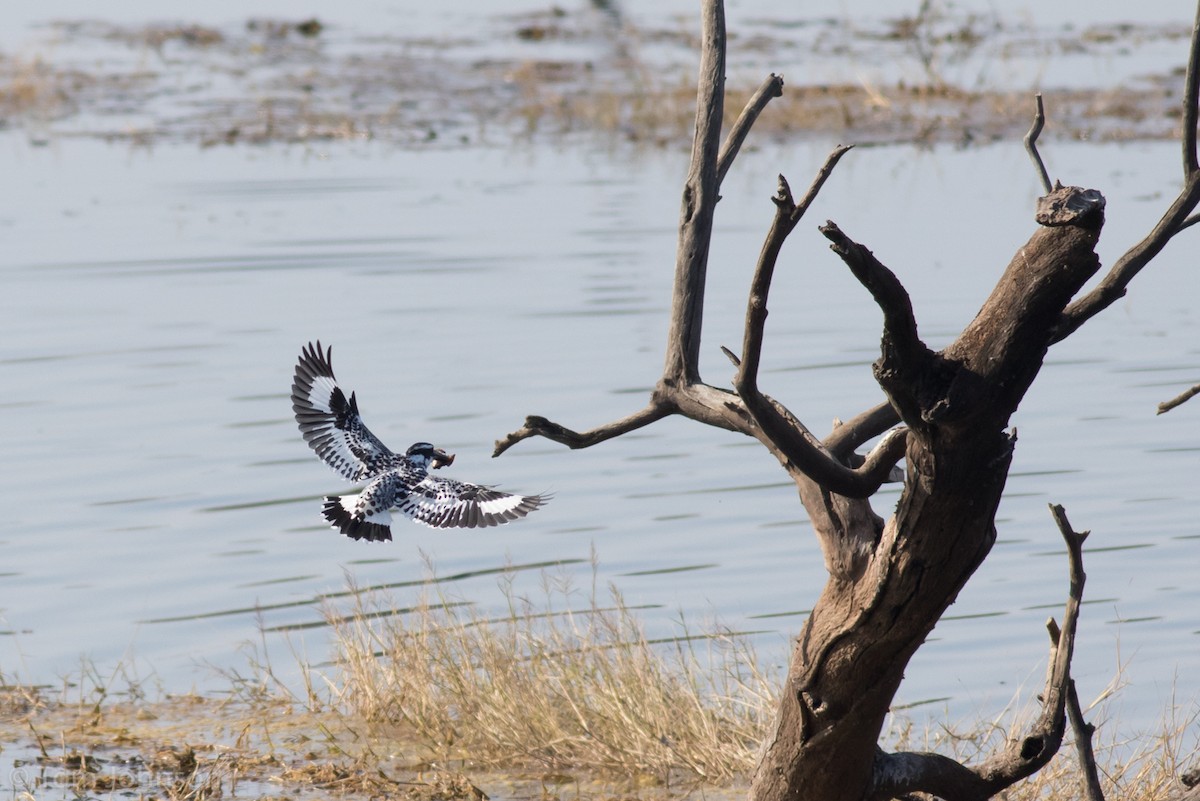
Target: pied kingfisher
(334, 429)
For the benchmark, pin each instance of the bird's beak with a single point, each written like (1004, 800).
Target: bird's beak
(441, 458)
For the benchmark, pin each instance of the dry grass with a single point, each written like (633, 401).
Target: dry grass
(556, 686)
(33, 88)
(560, 685)
(1140, 767)
(564, 684)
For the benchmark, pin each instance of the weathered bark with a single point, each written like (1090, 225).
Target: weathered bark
(852, 653)
(890, 583)
(1083, 747)
(700, 197)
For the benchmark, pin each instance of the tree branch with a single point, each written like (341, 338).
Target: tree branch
(1039, 121)
(1029, 755)
(700, 195)
(851, 434)
(786, 434)
(1114, 285)
(787, 214)
(1177, 217)
(1083, 746)
(819, 181)
(708, 165)
(905, 362)
(771, 88)
(1179, 399)
(900, 325)
(540, 426)
(1191, 102)
(806, 453)
(903, 773)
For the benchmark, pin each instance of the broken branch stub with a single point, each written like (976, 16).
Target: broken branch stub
(1069, 205)
(997, 356)
(1179, 400)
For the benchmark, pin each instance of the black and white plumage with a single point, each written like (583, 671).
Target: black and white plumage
(333, 427)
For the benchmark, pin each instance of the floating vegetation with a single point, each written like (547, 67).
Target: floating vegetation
(586, 73)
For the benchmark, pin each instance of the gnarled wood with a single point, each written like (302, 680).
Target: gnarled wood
(889, 583)
(854, 648)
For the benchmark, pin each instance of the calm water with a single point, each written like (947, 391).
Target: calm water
(158, 490)
(160, 504)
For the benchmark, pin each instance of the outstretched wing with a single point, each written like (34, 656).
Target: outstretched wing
(330, 423)
(446, 503)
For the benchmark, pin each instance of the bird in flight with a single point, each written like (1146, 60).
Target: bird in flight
(333, 427)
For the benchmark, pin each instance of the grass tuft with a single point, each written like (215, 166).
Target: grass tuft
(562, 684)
(1141, 767)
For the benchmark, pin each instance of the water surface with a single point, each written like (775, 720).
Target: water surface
(161, 506)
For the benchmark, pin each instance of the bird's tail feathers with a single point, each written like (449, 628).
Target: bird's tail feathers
(343, 514)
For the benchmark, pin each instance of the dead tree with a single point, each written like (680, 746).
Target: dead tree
(946, 413)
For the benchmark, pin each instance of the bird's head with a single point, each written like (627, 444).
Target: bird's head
(424, 455)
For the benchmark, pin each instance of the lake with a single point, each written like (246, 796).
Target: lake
(162, 509)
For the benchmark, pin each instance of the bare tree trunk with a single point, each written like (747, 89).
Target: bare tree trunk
(890, 583)
(852, 653)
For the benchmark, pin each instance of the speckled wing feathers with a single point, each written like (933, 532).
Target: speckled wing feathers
(445, 503)
(331, 424)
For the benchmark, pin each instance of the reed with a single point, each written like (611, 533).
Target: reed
(560, 684)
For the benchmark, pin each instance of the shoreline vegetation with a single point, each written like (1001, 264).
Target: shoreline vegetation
(592, 75)
(562, 697)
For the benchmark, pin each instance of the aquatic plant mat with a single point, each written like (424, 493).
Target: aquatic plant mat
(951, 76)
(189, 747)
(563, 696)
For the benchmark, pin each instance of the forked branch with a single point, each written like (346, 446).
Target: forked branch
(786, 435)
(771, 88)
(680, 389)
(709, 164)
(1036, 749)
(787, 214)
